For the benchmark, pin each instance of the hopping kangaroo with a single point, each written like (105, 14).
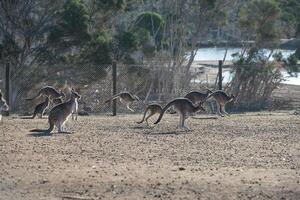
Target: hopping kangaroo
(222, 99)
(197, 97)
(125, 98)
(184, 107)
(3, 105)
(40, 108)
(60, 114)
(152, 109)
(49, 92)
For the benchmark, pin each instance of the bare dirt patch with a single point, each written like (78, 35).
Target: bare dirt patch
(245, 156)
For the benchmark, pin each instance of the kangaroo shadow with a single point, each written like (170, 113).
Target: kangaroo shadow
(45, 134)
(39, 134)
(30, 117)
(176, 132)
(209, 117)
(142, 127)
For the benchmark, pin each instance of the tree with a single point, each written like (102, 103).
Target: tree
(290, 19)
(259, 20)
(255, 77)
(24, 26)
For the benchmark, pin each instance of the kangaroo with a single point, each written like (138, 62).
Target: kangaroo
(40, 108)
(152, 109)
(197, 97)
(125, 98)
(60, 114)
(3, 105)
(57, 101)
(50, 92)
(184, 107)
(222, 99)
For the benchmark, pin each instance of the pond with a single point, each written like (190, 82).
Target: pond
(217, 53)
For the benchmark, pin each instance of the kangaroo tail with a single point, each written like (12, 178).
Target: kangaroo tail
(146, 110)
(164, 110)
(36, 96)
(51, 127)
(34, 114)
(112, 98)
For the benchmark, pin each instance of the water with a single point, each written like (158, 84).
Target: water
(227, 76)
(217, 53)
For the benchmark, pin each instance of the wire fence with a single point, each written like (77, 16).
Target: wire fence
(151, 83)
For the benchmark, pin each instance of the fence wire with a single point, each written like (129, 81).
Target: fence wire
(151, 83)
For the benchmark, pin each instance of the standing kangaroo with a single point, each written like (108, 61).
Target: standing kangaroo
(49, 92)
(184, 107)
(40, 108)
(152, 109)
(60, 114)
(125, 98)
(222, 99)
(197, 97)
(3, 105)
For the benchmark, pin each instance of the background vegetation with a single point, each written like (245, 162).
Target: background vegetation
(62, 41)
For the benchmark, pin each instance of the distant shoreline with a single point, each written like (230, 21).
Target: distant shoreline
(287, 44)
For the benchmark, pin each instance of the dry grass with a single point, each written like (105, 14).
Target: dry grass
(249, 156)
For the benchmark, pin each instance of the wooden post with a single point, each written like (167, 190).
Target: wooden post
(7, 81)
(220, 74)
(114, 76)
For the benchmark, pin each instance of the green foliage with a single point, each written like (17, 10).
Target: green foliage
(290, 11)
(73, 24)
(291, 65)
(291, 16)
(111, 4)
(152, 23)
(259, 18)
(9, 48)
(127, 41)
(98, 50)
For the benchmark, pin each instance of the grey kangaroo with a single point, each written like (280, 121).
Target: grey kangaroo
(222, 99)
(197, 97)
(49, 92)
(184, 107)
(152, 109)
(60, 114)
(125, 98)
(40, 109)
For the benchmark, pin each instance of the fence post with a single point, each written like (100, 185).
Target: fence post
(114, 76)
(220, 74)
(7, 80)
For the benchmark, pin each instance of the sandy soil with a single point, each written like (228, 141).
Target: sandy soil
(245, 156)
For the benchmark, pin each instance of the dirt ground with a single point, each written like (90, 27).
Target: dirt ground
(244, 156)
